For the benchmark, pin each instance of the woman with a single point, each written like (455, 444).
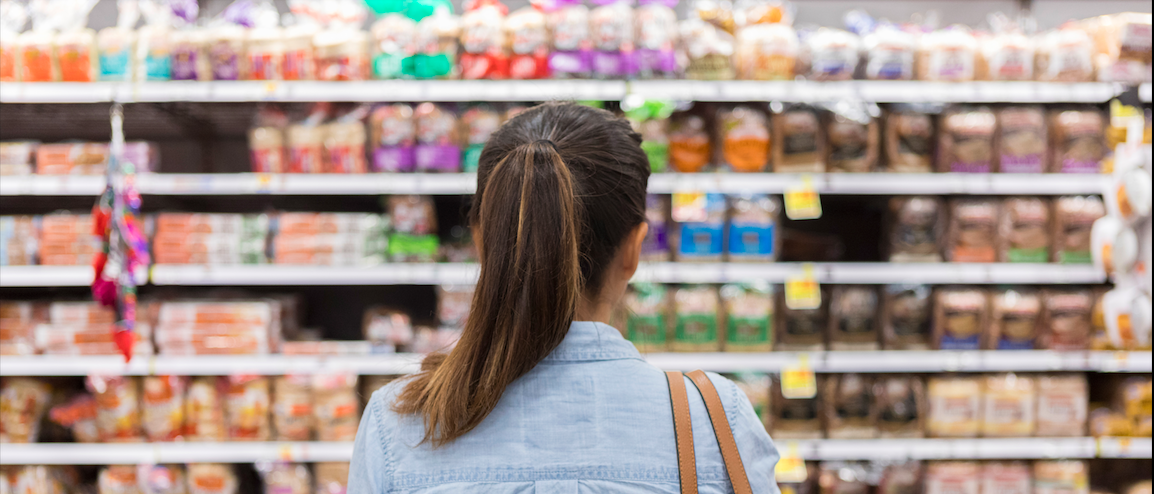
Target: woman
(541, 394)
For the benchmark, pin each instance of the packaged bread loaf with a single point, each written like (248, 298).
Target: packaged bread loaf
(655, 247)
(1016, 314)
(709, 51)
(292, 407)
(955, 406)
(23, 402)
(1007, 477)
(947, 55)
(907, 317)
(973, 230)
(966, 140)
(1022, 140)
(212, 478)
(162, 407)
(899, 406)
(246, 408)
(748, 317)
(1007, 55)
(799, 146)
(1074, 216)
(754, 234)
(848, 406)
(890, 53)
(961, 318)
(162, 479)
(336, 408)
(689, 149)
(909, 140)
(332, 477)
(901, 477)
(1063, 400)
(701, 234)
(1024, 230)
(117, 408)
(854, 142)
(853, 318)
(1078, 140)
(117, 479)
(1065, 55)
(1061, 477)
(801, 330)
(285, 478)
(392, 135)
(204, 411)
(647, 316)
(387, 327)
(953, 477)
(478, 123)
(832, 54)
(453, 303)
(527, 35)
(1008, 405)
(438, 143)
(1066, 322)
(844, 477)
(696, 315)
(744, 139)
(794, 418)
(916, 229)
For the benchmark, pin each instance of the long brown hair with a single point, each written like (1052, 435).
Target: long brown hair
(558, 189)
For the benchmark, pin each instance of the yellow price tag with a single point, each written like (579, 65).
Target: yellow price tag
(798, 381)
(689, 207)
(264, 182)
(791, 467)
(285, 452)
(802, 201)
(803, 292)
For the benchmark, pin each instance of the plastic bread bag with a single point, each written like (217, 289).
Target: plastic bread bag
(438, 146)
(961, 318)
(415, 215)
(801, 330)
(696, 319)
(344, 142)
(899, 403)
(299, 53)
(1122, 46)
(953, 477)
(966, 140)
(794, 418)
(118, 479)
(1008, 405)
(1016, 314)
(947, 55)
(1007, 477)
(749, 312)
(478, 123)
(744, 138)
(115, 45)
(611, 28)
(1025, 230)
(1065, 55)
(656, 33)
(955, 406)
(1007, 54)
(689, 143)
(655, 247)
(266, 141)
(204, 411)
(281, 477)
(13, 16)
(572, 46)
(212, 478)
(23, 402)
(484, 54)
(392, 134)
(437, 39)
(161, 479)
(848, 406)
(190, 59)
(753, 228)
(707, 51)
(1066, 324)
(265, 46)
(854, 140)
(331, 477)
(246, 408)
(36, 53)
(306, 138)
(386, 326)
(845, 477)
(854, 318)
(162, 407)
(117, 407)
(973, 230)
(832, 54)
(78, 414)
(890, 53)
(917, 228)
(1063, 401)
(767, 52)
(527, 33)
(909, 139)
(907, 317)
(1078, 140)
(799, 143)
(700, 233)
(341, 55)
(292, 408)
(1021, 141)
(1067, 476)
(394, 38)
(453, 304)
(336, 408)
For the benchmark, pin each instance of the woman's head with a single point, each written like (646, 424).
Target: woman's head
(558, 219)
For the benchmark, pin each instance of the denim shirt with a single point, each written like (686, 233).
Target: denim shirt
(593, 417)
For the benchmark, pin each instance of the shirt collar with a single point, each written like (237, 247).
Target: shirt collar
(587, 340)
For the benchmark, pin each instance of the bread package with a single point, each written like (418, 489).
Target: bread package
(331, 477)
(292, 407)
(285, 478)
(961, 318)
(1024, 230)
(1021, 142)
(799, 146)
(748, 317)
(955, 406)
(646, 320)
(246, 408)
(973, 230)
(854, 143)
(765, 52)
(890, 53)
(204, 411)
(947, 55)
(796, 418)
(1008, 405)
(438, 141)
(1065, 55)
(113, 479)
(478, 123)
(1007, 477)
(848, 406)
(844, 477)
(1066, 321)
(853, 318)
(903, 477)
(1122, 48)
(392, 135)
(754, 233)
(162, 479)
(709, 51)
(907, 317)
(1078, 140)
(909, 140)
(1074, 216)
(655, 247)
(832, 54)
(916, 229)
(966, 141)
(1006, 56)
(702, 237)
(801, 330)
(336, 408)
(162, 407)
(387, 327)
(744, 138)
(1061, 477)
(899, 406)
(117, 408)
(23, 402)
(1016, 314)
(696, 311)
(953, 477)
(1063, 400)
(689, 149)
(212, 478)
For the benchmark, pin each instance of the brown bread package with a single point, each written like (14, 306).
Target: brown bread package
(917, 228)
(854, 143)
(1077, 140)
(292, 408)
(799, 146)
(1074, 216)
(336, 408)
(801, 330)
(696, 319)
(689, 146)
(1024, 230)
(900, 406)
(907, 317)
(1016, 314)
(1021, 140)
(843, 477)
(1061, 477)
(331, 477)
(961, 318)
(973, 230)
(1007, 477)
(1008, 405)
(246, 408)
(953, 477)
(955, 406)
(966, 140)
(744, 137)
(798, 418)
(848, 406)
(909, 141)
(902, 478)
(1066, 319)
(853, 318)
(1063, 400)
(204, 410)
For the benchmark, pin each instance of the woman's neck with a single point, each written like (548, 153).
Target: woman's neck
(593, 309)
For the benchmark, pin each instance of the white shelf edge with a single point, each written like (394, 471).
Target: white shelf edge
(45, 276)
(1124, 447)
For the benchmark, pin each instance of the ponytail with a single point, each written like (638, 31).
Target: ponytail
(527, 227)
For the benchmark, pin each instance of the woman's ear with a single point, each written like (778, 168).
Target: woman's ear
(631, 250)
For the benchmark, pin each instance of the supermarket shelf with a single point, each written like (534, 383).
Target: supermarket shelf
(1124, 447)
(543, 90)
(279, 275)
(403, 363)
(466, 183)
(46, 276)
(816, 449)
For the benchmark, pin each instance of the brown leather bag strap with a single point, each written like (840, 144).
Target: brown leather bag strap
(683, 429)
(724, 434)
